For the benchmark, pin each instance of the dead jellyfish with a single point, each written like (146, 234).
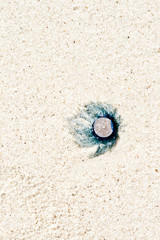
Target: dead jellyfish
(103, 127)
(98, 125)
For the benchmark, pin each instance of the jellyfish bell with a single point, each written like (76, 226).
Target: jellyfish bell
(103, 127)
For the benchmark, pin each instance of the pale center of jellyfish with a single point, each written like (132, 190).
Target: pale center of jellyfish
(103, 127)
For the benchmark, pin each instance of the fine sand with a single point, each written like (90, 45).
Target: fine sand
(55, 57)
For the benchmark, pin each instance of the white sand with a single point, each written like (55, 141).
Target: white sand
(55, 57)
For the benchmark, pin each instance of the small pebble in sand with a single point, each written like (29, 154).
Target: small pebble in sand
(103, 127)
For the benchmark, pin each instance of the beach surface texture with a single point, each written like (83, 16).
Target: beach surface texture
(55, 57)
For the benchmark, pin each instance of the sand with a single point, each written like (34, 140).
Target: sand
(56, 56)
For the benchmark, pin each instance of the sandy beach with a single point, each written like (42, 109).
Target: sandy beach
(57, 56)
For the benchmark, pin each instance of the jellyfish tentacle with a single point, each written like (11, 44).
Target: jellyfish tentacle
(101, 149)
